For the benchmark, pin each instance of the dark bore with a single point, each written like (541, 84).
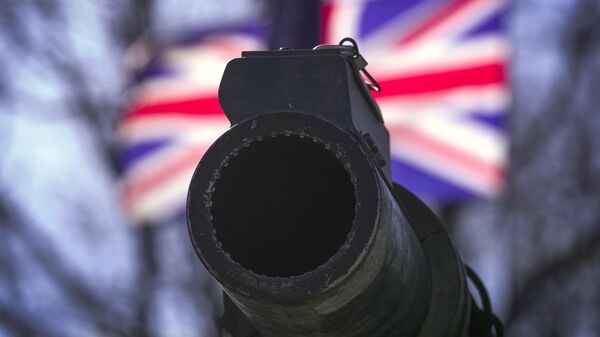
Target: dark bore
(283, 206)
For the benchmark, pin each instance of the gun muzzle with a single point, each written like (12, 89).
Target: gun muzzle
(293, 212)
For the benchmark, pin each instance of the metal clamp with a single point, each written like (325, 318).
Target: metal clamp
(361, 64)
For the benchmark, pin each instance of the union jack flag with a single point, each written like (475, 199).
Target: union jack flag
(444, 96)
(444, 99)
(174, 117)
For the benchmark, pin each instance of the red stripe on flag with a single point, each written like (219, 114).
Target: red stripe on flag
(435, 20)
(136, 188)
(325, 16)
(196, 106)
(416, 84)
(494, 174)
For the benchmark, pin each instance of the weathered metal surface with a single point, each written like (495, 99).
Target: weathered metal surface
(293, 213)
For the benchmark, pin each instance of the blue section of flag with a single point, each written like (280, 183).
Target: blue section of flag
(492, 24)
(427, 186)
(378, 13)
(493, 120)
(135, 151)
(155, 68)
(179, 216)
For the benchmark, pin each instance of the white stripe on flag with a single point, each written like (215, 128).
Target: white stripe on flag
(461, 21)
(162, 202)
(469, 137)
(344, 20)
(148, 128)
(430, 58)
(488, 99)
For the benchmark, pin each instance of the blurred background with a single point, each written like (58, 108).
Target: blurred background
(106, 107)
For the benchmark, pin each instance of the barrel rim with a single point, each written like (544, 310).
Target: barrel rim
(244, 282)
